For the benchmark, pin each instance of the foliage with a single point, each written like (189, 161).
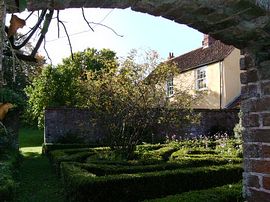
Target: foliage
(239, 129)
(8, 161)
(17, 74)
(129, 106)
(226, 193)
(91, 60)
(81, 185)
(60, 86)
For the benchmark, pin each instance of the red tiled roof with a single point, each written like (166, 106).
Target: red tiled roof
(203, 56)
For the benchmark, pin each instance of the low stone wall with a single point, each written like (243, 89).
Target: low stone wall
(214, 121)
(73, 125)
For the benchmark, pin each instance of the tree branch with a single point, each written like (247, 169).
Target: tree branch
(58, 27)
(34, 29)
(70, 46)
(86, 20)
(44, 46)
(99, 24)
(44, 30)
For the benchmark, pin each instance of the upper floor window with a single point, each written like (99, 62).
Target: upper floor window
(201, 82)
(169, 87)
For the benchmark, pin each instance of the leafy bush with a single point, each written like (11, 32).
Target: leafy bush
(8, 162)
(81, 185)
(226, 193)
(161, 154)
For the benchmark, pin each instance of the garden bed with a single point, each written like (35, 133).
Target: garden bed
(100, 174)
(82, 185)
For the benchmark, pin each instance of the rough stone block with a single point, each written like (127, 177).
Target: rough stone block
(246, 63)
(251, 180)
(265, 88)
(266, 119)
(251, 120)
(252, 150)
(265, 151)
(257, 196)
(249, 77)
(266, 183)
(257, 135)
(264, 70)
(257, 166)
(249, 91)
(259, 105)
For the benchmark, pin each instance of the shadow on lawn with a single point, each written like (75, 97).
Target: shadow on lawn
(37, 180)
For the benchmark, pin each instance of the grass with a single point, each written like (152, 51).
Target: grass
(30, 137)
(37, 181)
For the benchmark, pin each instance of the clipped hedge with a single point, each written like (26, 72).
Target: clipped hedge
(48, 147)
(226, 193)
(8, 163)
(73, 155)
(114, 167)
(81, 185)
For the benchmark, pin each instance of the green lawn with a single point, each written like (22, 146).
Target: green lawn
(37, 181)
(30, 137)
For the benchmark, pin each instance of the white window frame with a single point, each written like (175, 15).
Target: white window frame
(169, 87)
(201, 77)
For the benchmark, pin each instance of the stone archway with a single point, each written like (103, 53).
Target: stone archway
(242, 23)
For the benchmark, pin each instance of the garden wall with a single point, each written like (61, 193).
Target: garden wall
(72, 125)
(214, 121)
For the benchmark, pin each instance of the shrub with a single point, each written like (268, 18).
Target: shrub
(72, 155)
(161, 154)
(226, 193)
(8, 162)
(81, 185)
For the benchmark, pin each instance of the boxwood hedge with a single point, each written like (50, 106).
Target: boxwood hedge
(226, 193)
(82, 185)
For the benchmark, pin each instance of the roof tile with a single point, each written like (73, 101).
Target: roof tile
(203, 56)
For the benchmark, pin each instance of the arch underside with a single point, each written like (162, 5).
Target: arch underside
(242, 23)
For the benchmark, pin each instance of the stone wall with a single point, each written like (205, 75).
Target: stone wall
(256, 120)
(72, 125)
(215, 121)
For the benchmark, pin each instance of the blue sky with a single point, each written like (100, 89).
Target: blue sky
(140, 31)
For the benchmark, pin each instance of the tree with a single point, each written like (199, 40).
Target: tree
(127, 105)
(60, 86)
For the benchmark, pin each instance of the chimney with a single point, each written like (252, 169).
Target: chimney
(171, 55)
(207, 41)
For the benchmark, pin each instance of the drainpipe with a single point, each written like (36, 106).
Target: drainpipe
(220, 83)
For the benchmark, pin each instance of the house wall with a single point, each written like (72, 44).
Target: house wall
(209, 98)
(231, 78)
(221, 77)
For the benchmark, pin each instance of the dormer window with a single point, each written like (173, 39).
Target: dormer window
(169, 87)
(201, 80)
